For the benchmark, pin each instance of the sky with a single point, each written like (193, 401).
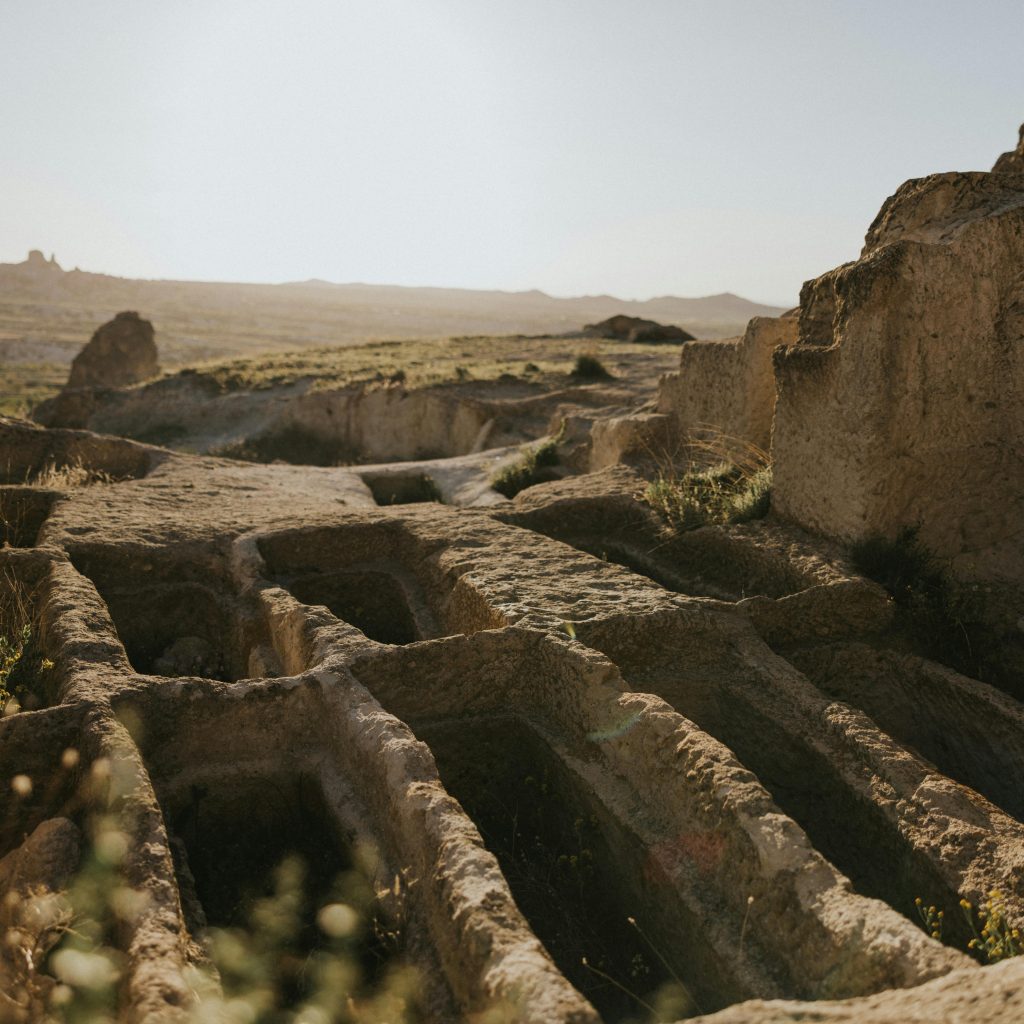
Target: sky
(631, 147)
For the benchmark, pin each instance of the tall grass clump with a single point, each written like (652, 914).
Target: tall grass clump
(726, 481)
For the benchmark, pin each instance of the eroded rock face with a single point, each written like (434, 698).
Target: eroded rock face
(519, 707)
(121, 352)
(728, 386)
(1013, 161)
(636, 329)
(901, 403)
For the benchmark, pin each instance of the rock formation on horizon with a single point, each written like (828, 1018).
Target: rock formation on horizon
(121, 352)
(37, 261)
(635, 329)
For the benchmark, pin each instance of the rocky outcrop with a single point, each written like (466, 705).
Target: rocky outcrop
(636, 329)
(728, 387)
(901, 405)
(1013, 161)
(121, 352)
(38, 262)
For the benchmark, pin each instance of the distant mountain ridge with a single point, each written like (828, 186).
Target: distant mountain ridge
(52, 312)
(726, 306)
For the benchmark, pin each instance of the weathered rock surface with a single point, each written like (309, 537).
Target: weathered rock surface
(903, 402)
(1013, 161)
(636, 329)
(308, 422)
(38, 263)
(413, 674)
(121, 351)
(728, 387)
(710, 766)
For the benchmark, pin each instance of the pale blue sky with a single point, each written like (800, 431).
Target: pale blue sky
(577, 146)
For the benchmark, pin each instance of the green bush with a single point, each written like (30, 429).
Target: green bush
(589, 367)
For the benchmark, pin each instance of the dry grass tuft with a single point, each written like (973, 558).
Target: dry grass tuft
(724, 480)
(64, 476)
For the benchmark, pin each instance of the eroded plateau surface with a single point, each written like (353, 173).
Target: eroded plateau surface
(598, 771)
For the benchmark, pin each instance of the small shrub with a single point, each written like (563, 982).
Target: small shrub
(935, 611)
(589, 367)
(905, 568)
(12, 647)
(994, 938)
(530, 467)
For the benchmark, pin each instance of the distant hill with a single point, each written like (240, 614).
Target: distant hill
(47, 313)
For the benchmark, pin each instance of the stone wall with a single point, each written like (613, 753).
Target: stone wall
(728, 385)
(902, 402)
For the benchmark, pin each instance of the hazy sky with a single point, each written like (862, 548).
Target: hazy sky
(638, 147)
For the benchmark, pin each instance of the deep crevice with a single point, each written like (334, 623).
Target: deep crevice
(261, 855)
(851, 832)
(407, 489)
(170, 623)
(575, 873)
(372, 601)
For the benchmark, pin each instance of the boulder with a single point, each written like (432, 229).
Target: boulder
(633, 328)
(120, 353)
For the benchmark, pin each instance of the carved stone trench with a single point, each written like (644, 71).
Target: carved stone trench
(568, 788)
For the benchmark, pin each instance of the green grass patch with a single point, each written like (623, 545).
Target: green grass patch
(726, 493)
(24, 385)
(532, 467)
(23, 667)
